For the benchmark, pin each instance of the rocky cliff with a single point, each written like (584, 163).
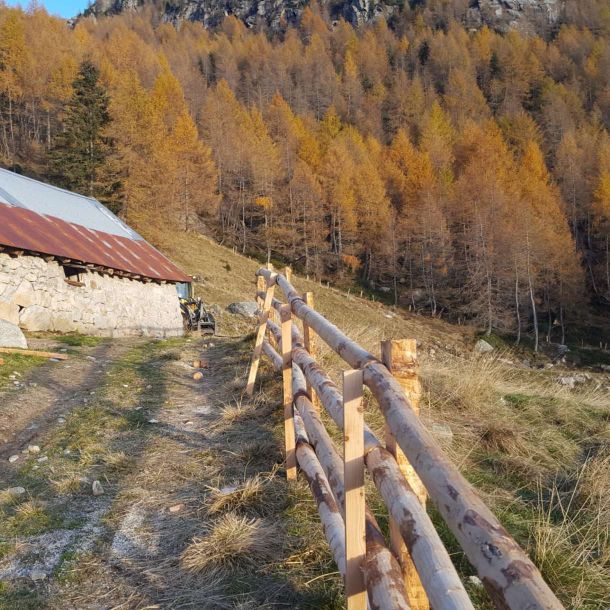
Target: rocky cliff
(500, 14)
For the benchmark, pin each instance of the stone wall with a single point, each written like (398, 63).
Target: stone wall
(34, 294)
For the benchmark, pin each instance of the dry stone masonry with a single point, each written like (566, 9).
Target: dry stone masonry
(34, 293)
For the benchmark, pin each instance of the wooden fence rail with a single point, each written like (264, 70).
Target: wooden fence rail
(418, 572)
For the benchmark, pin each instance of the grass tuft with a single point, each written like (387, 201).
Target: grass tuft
(230, 542)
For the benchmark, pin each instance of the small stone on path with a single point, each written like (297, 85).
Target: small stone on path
(36, 575)
(97, 488)
(476, 581)
(176, 508)
(16, 491)
(33, 449)
(13, 458)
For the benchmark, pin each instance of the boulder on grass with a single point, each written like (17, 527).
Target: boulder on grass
(482, 347)
(11, 335)
(247, 309)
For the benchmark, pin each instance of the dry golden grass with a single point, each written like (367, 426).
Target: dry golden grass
(231, 541)
(518, 435)
(234, 412)
(571, 538)
(237, 496)
(69, 484)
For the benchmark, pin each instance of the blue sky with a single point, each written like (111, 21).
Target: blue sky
(65, 8)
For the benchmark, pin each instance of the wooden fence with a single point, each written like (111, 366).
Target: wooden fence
(414, 571)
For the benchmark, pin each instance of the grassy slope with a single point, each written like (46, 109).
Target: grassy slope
(537, 451)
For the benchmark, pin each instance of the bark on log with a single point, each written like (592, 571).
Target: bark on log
(439, 578)
(327, 506)
(382, 573)
(510, 577)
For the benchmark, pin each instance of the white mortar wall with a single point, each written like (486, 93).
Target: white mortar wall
(34, 294)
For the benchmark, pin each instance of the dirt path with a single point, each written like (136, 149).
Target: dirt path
(48, 392)
(195, 512)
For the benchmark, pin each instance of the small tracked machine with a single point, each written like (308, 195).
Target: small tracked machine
(195, 316)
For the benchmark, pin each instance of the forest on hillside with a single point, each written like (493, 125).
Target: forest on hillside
(462, 173)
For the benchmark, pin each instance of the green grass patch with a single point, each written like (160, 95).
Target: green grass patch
(29, 519)
(17, 365)
(518, 400)
(6, 548)
(80, 340)
(19, 598)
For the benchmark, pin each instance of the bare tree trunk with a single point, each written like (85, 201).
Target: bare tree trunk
(533, 304)
(518, 312)
(607, 263)
(186, 202)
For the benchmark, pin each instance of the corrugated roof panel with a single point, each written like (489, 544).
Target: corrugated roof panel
(27, 230)
(49, 200)
(41, 218)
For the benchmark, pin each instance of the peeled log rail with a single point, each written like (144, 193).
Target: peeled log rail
(509, 576)
(434, 566)
(327, 506)
(382, 574)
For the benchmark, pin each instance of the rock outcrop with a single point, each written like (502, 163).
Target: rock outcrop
(524, 15)
(500, 14)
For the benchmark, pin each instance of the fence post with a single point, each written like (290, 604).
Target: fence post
(355, 533)
(260, 336)
(273, 315)
(400, 357)
(289, 434)
(261, 284)
(309, 339)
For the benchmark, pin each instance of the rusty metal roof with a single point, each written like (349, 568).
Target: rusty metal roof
(40, 218)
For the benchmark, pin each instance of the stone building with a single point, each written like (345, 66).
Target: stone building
(68, 264)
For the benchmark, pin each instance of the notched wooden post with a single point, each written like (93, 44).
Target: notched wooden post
(260, 336)
(355, 533)
(309, 340)
(261, 285)
(400, 357)
(289, 435)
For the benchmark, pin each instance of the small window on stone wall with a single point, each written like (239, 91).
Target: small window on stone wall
(74, 275)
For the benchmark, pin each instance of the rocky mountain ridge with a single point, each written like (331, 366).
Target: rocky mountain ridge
(525, 15)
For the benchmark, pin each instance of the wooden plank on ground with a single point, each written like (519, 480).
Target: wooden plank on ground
(31, 352)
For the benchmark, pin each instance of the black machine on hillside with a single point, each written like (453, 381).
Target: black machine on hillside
(194, 314)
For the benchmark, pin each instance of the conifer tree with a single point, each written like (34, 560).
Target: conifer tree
(83, 156)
